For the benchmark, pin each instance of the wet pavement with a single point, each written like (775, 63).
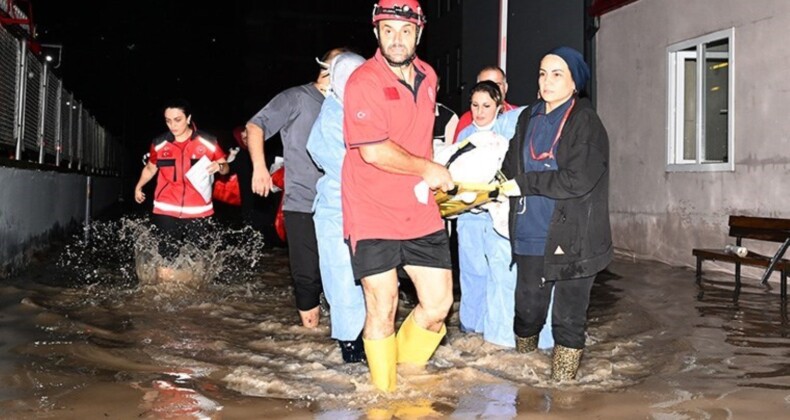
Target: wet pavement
(80, 337)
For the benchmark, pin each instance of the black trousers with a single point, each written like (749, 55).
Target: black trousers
(173, 233)
(571, 299)
(303, 259)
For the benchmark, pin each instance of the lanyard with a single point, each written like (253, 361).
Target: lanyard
(550, 153)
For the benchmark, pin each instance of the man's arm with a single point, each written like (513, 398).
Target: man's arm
(261, 179)
(389, 156)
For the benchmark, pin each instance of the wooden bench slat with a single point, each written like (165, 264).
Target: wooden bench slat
(750, 259)
(760, 222)
(759, 234)
(760, 228)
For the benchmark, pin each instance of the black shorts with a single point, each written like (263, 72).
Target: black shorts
(172, 233)
(376, 256)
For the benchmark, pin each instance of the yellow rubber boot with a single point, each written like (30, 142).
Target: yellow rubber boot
(415, 343)
(382, 355)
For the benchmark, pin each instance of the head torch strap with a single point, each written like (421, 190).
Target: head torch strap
(404, 11)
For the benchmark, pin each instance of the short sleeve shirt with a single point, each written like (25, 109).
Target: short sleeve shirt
(378, 106)
(292, 113)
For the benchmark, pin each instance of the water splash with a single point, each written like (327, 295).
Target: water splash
(122, 255)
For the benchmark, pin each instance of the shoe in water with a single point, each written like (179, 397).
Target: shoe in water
(324, 304)
(353, 351)
(466, 330)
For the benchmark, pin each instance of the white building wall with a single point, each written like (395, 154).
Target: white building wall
(662, 215)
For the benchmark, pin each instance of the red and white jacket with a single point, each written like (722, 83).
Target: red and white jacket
(175, 196)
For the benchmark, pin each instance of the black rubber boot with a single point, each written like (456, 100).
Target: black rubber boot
(353, 351)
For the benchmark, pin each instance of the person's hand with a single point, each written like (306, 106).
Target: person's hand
(233, 152)
(510, 188)
(438, 177)
(261, 182)
(139, 196)
(215, 167)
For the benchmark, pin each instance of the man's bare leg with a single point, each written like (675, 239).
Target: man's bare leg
(310, 317)
(435, 292)
(422, 331)
(378, 335)
(381, 304)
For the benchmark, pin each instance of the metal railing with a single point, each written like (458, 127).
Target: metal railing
(42, 122)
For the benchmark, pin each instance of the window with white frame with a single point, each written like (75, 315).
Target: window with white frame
(701, 88)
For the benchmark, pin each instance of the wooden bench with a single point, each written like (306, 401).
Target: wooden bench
(755, 228)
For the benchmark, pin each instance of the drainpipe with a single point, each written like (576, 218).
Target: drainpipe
(42, 109)
(70, 129)
(502, 56)
(19, 101)
(58, 124)
(88, 200)
(80, 143)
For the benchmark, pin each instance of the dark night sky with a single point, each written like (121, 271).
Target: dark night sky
(124, 58)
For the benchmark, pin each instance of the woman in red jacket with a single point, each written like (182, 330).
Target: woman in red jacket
(180, 205)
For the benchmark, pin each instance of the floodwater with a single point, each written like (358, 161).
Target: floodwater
(81, 337)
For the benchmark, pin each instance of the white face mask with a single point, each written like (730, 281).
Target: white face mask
(340, 70)
(486, 127)
(490, 125)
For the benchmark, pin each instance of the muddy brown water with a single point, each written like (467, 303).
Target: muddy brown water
(83, 339)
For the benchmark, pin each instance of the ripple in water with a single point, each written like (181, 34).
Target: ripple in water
(649, 339)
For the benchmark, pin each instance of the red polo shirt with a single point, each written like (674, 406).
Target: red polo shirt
(377, 106)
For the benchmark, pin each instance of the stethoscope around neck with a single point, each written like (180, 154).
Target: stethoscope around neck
(522, 201)
(550, 153)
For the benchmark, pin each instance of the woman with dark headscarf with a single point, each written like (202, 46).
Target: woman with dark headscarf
(558, 166)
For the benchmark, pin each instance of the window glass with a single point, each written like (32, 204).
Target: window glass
(700, 99)
(716, 100)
